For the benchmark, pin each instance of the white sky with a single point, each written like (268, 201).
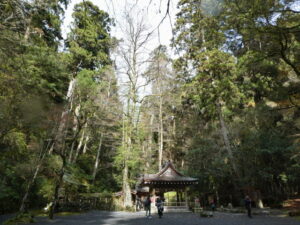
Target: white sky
(155, 12)
(153, 16)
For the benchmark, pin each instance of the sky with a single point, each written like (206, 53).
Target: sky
(155, 12)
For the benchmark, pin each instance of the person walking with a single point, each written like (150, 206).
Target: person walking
(160, 207)
(147, 207)
(138, 204)
(212, 205)
(248, 206)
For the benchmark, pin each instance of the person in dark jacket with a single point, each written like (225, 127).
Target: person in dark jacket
(213, 205)
(147, 206)
(160, 207)
(139, 204)
(248, 206)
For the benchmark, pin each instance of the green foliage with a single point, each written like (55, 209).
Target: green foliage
(16, 140)
(32, 81)
(133, 160)
(89, 42)
(77, 176)
(45, 188)
(242, 56)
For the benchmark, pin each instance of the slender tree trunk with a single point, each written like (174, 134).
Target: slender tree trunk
(224, 132)
(75, 128)
(79, 145)
(27, 33)
(59, 144)
(59, 139)
(161, 139)
(51, 149)
(97, 158)
(218, 197)
(23, 207)
(27, 30)
(43, 152)
(150, 142)
(87, 138)
(56, 190)
(285, 58)
(126, 188)
(174, 128)
(127, 147)
(71, 152)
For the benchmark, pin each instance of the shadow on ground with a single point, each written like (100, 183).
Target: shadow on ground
(126, 218)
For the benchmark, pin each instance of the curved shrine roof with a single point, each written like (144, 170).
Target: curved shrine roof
(168, 174)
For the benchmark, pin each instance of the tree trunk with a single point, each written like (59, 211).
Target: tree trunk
(174, 127)
(126, 188)
(97, 158)
(27, 30)
(127, 202)
(59, 144)
(224, 132)
(56, 190)
(75, 128)
(79, 145)
(85, 144)
(285, 58)
(23, 207)
(161, 139)
(63, 121)
(71, 152)
(150, 143)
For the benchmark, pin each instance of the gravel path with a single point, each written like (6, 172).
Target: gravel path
(125, 218)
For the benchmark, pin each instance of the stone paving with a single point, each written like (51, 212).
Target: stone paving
(126, 218)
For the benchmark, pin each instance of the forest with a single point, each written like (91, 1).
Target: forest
(90, 113)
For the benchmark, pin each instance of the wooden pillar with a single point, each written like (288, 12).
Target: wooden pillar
(186, 196)
(150, 190)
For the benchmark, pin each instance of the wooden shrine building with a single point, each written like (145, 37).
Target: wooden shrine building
(168, 179)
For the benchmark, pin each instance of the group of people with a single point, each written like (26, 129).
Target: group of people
(159, 203)
(247, 203)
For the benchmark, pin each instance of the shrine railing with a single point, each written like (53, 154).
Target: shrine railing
(175, 203)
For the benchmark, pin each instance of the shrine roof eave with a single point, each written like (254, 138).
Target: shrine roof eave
(171, 179)
(170, 182)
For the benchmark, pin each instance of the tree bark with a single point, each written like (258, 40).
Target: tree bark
(56, 190)
(97, 158)
(127, 202)
(161, 139)
(23, 207)
(59, 144)
(85, 144)
(224, 132)
(79, 145)
(71, 152)
(284, 47)
(126, 188)
(150, 142)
